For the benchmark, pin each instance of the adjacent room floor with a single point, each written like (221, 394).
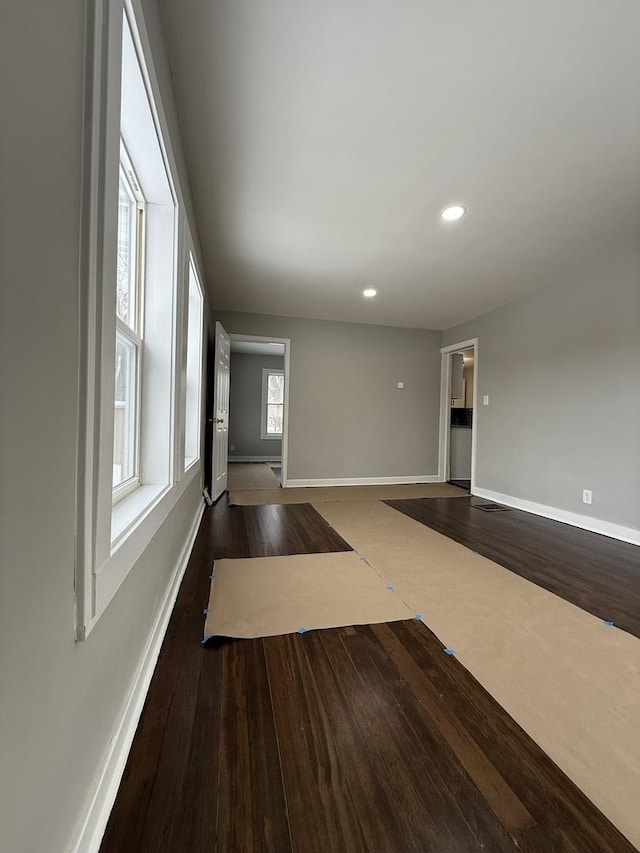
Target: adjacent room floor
(363, 738)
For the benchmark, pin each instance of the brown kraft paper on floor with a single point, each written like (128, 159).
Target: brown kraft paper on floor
(267, 596)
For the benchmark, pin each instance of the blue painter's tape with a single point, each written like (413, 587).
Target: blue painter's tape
(391, 586)
(210, 577)
(302, 630)
(417, 617)
(205, 611)
(206, 639)
(363, 559)
(608, 623)
(449, 652)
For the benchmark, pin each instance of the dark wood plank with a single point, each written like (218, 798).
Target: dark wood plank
(195, 826)
(235, 794)
(270, 819)
(173, 760)
(272, 530)
(319, 801)
(599, 574)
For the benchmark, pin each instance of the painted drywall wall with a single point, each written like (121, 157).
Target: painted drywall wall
(561, 371)
(245, 406)
(60, 700)
(347, 417)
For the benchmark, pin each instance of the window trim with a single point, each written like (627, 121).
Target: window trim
(131, 179)
(134, 334)
(125, 487)
(135, 229)
(187, 462)
(264, 435)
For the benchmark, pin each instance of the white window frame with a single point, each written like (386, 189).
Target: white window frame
(192, 268)
(102, 560)
(134, 335)
(266, 372)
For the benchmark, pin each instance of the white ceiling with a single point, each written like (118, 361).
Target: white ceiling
(323, 139)
(257, 348)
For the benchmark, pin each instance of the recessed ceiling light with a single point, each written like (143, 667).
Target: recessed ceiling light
(455, 211)
(370, 293)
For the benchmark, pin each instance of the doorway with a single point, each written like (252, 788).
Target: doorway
(458, 406)
(258, 412)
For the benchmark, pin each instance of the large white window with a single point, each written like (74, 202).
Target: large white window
(144, 392)
(193, 379)
(129, 298)
(139, 340)
(272, 403)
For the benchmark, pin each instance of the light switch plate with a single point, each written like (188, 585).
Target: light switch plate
(400, 384)
(485, 400)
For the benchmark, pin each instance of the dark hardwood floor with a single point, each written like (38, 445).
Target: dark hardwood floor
(598, 574)
(353, 739)
(265, 531)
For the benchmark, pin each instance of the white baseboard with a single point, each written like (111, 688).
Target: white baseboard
(255, 459)
(585, 522)
(365, 481)
(115, 760)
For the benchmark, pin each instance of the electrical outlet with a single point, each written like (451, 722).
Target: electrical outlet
(232, 447)
(586, 496)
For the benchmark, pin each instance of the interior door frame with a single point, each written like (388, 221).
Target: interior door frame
(220, 333)
(445, 409)
(266, 339)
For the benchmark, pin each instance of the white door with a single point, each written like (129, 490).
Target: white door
(221, 373)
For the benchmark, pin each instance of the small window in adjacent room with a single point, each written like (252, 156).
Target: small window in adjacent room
(193, 415)
(130, 242)
(272, 403)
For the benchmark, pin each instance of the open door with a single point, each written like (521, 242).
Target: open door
(458, 406)
(221, 370)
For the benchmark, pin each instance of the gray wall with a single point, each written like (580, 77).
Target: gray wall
(561, 368)
(60, 700)
(245, 406)
(347, 417)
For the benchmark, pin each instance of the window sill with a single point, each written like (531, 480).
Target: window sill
(135, 522)
(272, 437)
(189, 462)
(130, 510)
